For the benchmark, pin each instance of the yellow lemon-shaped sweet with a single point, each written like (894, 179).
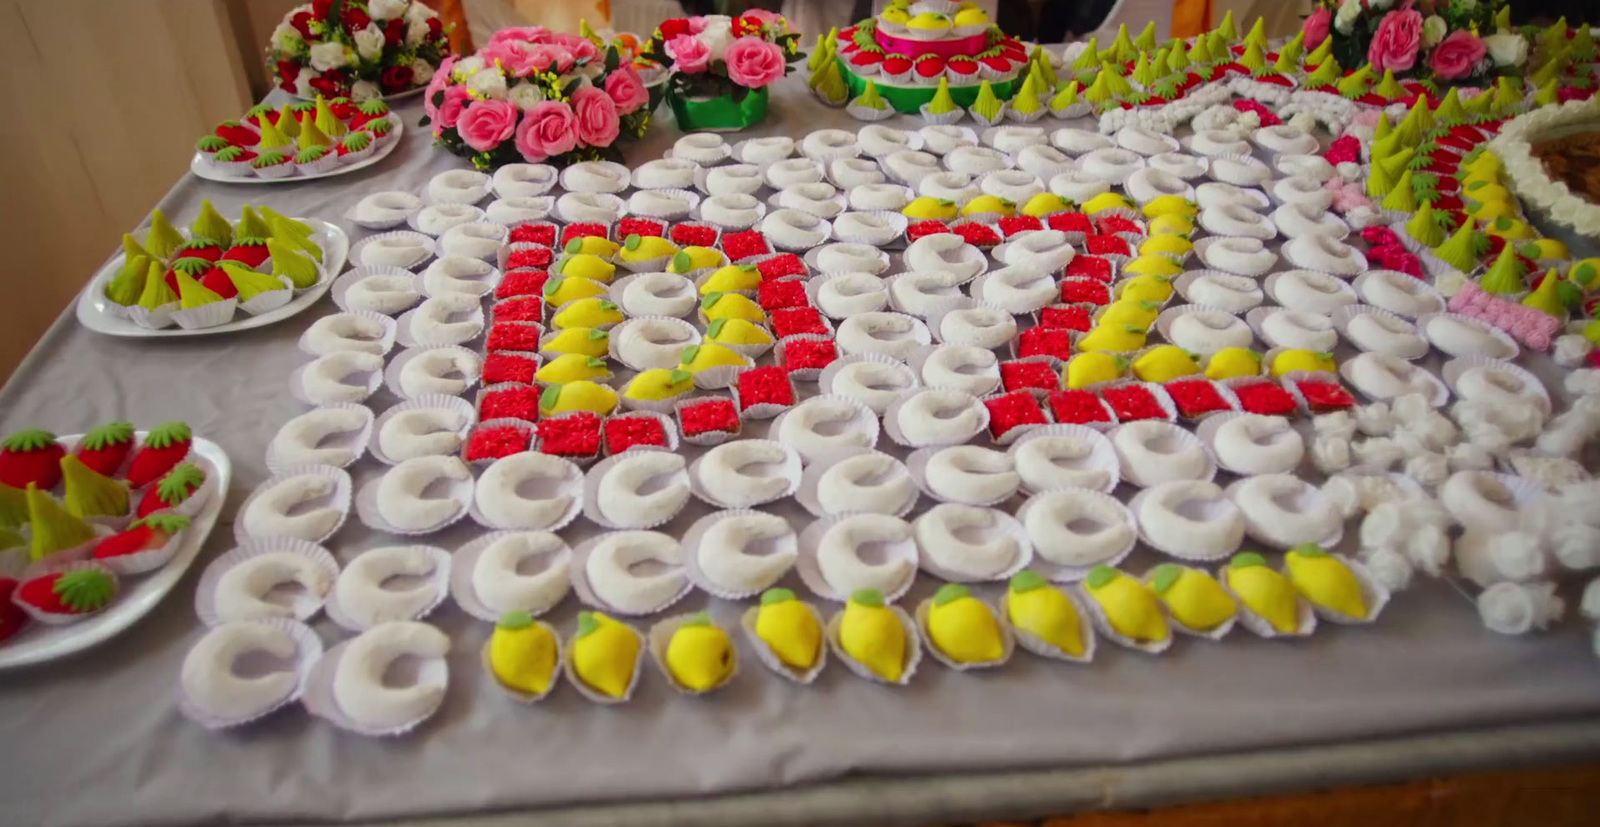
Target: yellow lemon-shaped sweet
(731, 278)
(929, 22)
(581, 395)
(1172, 224)
(1130, 607)
(645, 248)
(522, 654)
(696, 358)
(1484, 191)
(789, 628)
(586, 341)
(1325, 580)
(1168, 244)
(1147, 287)
(1107, 201)
(1045, 203)
(1300, 359)
(659, 383)
(963, 627)
(1165, 362)
(1129, 311)
(1264, 591)
(1153, 264)
(872, 634)
(1170, 205)
(585, 266)
(1042, 610)
(700, 655)
(1487, 212)
(927, 207)
(690, 259)
(570, 367)
(1509, 228)
(1233, 361)
(895, 14)
(605, 654)
(1086, 369)
(1194, 598)
(989, 204)
(737, 332)
(559, 290)
(731, 306)
(592, 245)
(1547, 248)
(590, 312)
(971, 17)
(1114, 338)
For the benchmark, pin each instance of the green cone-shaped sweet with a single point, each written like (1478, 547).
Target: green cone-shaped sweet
(1047, 71)
(1546, 96)
(286, 261)
(1254, 58)
(1505, 274)
(192, 294)
(1507, 96)
(284, 233)
(163, 237)
(1379, 182)
(1460, 250)
(54, 528)
(1582, 46)
(125, 287)
(1424, 225)
(248, 282)
(942, 102)
(1547, 296)
(1323, 52)
(1551, 68)
(819, 51)
(1389, 87)
(287, 123)
(251, 225)
(1327, 73)
(1099, 91)
(132, 249)
(210, 224)
(1118, 84)
(829, 83)
(1147, 37)
(89, 493)
(1089, 58)
(310, 135)
(1066, 96)
(1356, 84)
(1123, 45)
(1257, 34)
(1450, 112)
(1227, 28)
(327, 121)
(1143, 73)
(1554, 35)
(870, 97)
(1397, 163)
(1289, 56)
(987, 105)
(1200, 52)
(1178, 57)
(1217, 44)
(13, 507)
(156, 292)
(1401, 197)
(1027, 102)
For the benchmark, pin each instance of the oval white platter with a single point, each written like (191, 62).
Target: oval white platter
(39, 642)
(201, 168)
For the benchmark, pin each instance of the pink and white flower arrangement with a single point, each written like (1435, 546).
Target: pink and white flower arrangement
(1430, 39)
(536, 96)
(359, 49)
(717, 55)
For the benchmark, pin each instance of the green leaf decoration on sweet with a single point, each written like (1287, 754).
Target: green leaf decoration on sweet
(125, 287)
(1089, 58)
(211, 143)
(1246, 559)
(251, 225)
(107, 435)
(1027, 101)
(372, 107)
(89, 493)
(686, 357)
(300, 270)
(870, 97)
(356, 141)
(942, 102)
(772, 597)
(85, 590)
(715, 329)
(678, 377)
(1402, 196)
(1424, 226)
(179, 483)
(379, 126)
(987, 105)
(587, 623)
(156, 292)
(1099, 576)
(1178, 57)
(163, 237)
(270, 158)
(1505, 274)
(1165, 576)
(28, 439)
(949, 593)
(518, 619)
(698, 619)
(1167, 87)
(1584, 273)
(1143, 73)
(598, 334)
(1065, 97)
(192, 294)
(1546, 298)
(306, 156)
(867, 597)
(231, 153)
(1026, 581)
(248, 282)
(54, 528)
(13, 507)
(549, 397)
(607, 306)
(166, 522)
(1136, 97)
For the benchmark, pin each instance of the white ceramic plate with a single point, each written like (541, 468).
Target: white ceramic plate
(199, 167)
(398, 96)
(140, 593)
(94, 314)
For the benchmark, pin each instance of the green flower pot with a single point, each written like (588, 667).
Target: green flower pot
(719, 114)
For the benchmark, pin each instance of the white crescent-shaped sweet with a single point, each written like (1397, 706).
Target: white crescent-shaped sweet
(910, 166)
(974, 370)
(829, 143)
(1300, 330)
(327, 379)
(853, 173)
(400, 497)
(1381, 376)
(844, 487)
(435, 219)
(794, 229)
(665, 173)
(1381, 332)
(975, 160)
(723, 552)
(1077, 527)
(658, 294)
(878, 140)
(443, 370)
(1018, 185)
(1080, 141)
(211, 684)
(1397, 292)
(1181, 164)
(403, 251)
(847, 294)
(459, 186)
(524, 180)
(275, 511)
(891, 334)
(1262, 501)
(949, 186)
(1048, 250)
(1236, 220)
(943, 531)
(346, 331)
(1167, 526)
(389, 207)
(918, 292)
(1311, 291)
(867, 228)
(519, 209)
(1208, 331)
(300, 440)
(1148, 184)
(946, 252)
(653, 343)
(877, 196)
(819, 199)
(971, 474)
(1255, 444)
(1052, 461)
(457, 274)
(447, 319)
(787, 173)
(1284, 139)
(500, 500)
(609, 564)
(1158, 452)
(985, 327)
(477, 239)
(769, 150)
(940, 416)
(1235, 294)
(727, 472)
(734, 209)
(620, 496)
(734, 179)
(1013, 138)
(1217, 142)
(501, 588)
(874, 384)
(362, 596)
(1026, 287)
(240, 590)
(839, 554)
(358, 682)
(819, 426)
(702, 148)
(382, 293)
(660, 204)
(421, 432)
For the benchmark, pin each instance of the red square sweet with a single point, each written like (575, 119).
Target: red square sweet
(541, 233)
(1106, 245)
(706, 416)
(978, 235)
(518, 402)
(582, 230)
(765, 385)
(1013, 224)
(694, 235)
(1082, 290)
(1131, 402)
(1045, 341)
(1019, 373)
(497, 441)
(522, 283)
(777, 295)
(570, 435)
(1326, 396)
(514, 336)
(782, 265)
(1077, 407)
(802, 354)
(519, 309)
(1195, 396)
(1113, 224)
(624, 432)
(535, 258)
(792, 320)
(507, 367)
(1267, 398)
(1013, 410)
(641, 227)
(1066, 317)
(745, 244)
(1070, 222)
(927, 227)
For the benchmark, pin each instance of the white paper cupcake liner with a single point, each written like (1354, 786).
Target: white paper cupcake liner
(308, 650)
(590, 692)
(302, 604)
(268, 301)
(319, 698)
(338, 500)
(439, 579)
(152, 319)
(207, 315)
(913, 653)
(588, 596)
(555, 675)
(366, 504)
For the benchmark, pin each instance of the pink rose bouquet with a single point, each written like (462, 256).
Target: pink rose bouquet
(532, 95)
(716, 55)
(359, 49)
(1426, 39)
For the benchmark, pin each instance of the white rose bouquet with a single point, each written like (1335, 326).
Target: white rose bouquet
(357, 48)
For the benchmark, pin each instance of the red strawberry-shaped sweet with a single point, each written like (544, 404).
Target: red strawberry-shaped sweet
(961, 68)
(31, 457)
(193, 267)
(202, 248)
(267, 114)
(1594, 358)
(151, 532)
(895, 65)
(929, 67)
(251, 252)
(218, 282)
(863, 59)
(12, 617)
(177, 486)
(343, 108)
(238, 134)
(78, 592)
(164, 447)
(997, 63)
(1275, 80)
(104, 448)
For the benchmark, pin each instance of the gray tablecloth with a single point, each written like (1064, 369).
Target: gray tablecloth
(97, 740)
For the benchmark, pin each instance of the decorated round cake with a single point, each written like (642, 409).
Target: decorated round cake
(914, 49)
